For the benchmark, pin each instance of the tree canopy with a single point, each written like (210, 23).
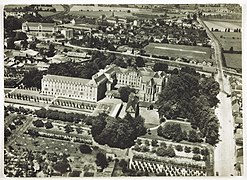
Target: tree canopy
(191, 95)
(116, 132)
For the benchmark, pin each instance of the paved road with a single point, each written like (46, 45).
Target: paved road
(225, 150)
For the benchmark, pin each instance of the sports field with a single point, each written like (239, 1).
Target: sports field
(200, 53)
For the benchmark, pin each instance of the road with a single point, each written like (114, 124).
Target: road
(225, 150)
(65, 11)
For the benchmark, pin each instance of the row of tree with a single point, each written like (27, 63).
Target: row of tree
(63, 116)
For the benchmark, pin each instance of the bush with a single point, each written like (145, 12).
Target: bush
(179, 148)
(196, 150)
(196, 157)
(38, 123)
(85, 149)
(75, 174)
(101, 160)
(48, 125)
(139, 141)
(163, 144)
(61, 166)
(137, 148)
(187, 149)
(144, 149)
(204, 151)
(154, 142)
(147, 142)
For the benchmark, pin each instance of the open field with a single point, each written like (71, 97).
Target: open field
(221, 25)
(233, 60)
(230, 39)
(196, 52)
(46, 13)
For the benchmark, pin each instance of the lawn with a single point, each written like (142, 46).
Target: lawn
(233, 60)
(200, 53)
(151, 117)
(221, 25)
(230, 39)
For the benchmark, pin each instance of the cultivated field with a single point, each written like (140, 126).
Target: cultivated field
(230, 39)
(233, 60)
(221, 25)
(196, 52)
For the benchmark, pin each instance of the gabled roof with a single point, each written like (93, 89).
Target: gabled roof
(71, 80)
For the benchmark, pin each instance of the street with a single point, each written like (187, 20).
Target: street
(224, 156)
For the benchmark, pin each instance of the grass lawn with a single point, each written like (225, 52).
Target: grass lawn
(200, 53)
(151, 117)
(47, 13)
(230, 39)
(233, 60)
(185, 126)
(221, 25)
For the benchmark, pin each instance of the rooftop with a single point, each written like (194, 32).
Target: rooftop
(66, 79)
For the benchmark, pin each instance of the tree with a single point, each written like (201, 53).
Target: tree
(160, 67)
(193, 136)
(140, 62)
(120, 133)
(20, 36)
(179, 148)
(61, 166)
(124, 165)
(125, 92)
(154, 142)
(85, 149)
(68, 128)
(196, 150)
(38, 123)
(196, 157)
(10, 43)
(187, 149)
(101, 160)
(33, 78)
(48, 125)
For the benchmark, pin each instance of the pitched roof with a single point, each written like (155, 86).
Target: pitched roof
(132, 102)
(71, 80)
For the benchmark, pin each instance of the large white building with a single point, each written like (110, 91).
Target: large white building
(147, 83)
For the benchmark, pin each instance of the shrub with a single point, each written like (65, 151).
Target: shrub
(147, 142)
(137, 148)
(196, 157)
(196, 150)
(144, 149)
(138, 141)
(179, 148)
(204, 151)
(187, 149)
(154, 142)
(38, 123)
(163, 144)
(85, 149)
(48, 125)
(61, 166)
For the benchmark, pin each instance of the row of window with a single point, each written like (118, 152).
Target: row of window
(88, 96)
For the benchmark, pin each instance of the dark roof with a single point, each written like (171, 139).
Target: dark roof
(132, 102)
